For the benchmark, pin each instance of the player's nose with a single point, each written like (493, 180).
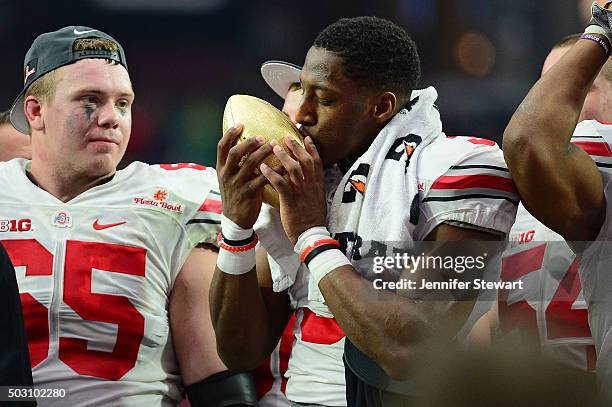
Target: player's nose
(109, 116)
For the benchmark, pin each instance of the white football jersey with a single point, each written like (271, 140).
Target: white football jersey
(595, 272)
(474, 188)
(95, 276)
(270, 379)
(549, 309)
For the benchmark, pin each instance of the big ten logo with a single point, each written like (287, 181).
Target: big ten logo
(15, 225)
(523, 237)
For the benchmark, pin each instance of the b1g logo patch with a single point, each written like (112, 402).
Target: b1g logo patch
(15, 225)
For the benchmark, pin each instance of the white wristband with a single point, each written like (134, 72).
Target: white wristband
(325, 262)
(236, 263)
(232, 231)
(309, 236)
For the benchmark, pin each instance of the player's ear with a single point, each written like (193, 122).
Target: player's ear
(384, 107)
(33, 112)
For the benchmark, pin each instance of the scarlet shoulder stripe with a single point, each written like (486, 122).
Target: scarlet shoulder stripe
(211, 205)
(597, 148)
(474, 181)
(180, 166)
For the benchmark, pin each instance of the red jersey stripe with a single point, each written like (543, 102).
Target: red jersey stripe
(285, 348)
(522, 263)
(474, 181)
(597, 148)
(211, 205)
(321, 330)
(180, 166)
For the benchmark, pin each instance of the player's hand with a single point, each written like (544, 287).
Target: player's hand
(601, 20)
(241, 185)
(302, 196)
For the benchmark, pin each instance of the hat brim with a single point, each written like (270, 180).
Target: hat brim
(17, 115)
(280, 75)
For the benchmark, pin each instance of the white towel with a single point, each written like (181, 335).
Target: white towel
(387, 171)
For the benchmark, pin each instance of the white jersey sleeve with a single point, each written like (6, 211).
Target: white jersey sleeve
(196, 186)
(475, 189)
(596, 139)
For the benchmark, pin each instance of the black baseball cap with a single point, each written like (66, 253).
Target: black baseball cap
(53, 50)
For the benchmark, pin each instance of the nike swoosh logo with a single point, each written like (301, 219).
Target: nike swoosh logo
(77, 32)
(99, 226)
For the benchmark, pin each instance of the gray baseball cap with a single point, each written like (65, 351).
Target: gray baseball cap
(53, 50)
(280, 75)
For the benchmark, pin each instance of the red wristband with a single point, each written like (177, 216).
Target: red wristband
(237, 249)
(316, 244)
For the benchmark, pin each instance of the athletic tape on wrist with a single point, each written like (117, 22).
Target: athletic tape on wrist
(320, 252)
(232, 231)
(603, 42)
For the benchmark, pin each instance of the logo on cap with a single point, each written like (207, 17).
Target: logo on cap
(77, 32)
(27, 72)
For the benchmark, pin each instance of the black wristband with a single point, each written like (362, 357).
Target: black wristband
(600, 39)
(238, 243)
(223, 389)
(318, 250)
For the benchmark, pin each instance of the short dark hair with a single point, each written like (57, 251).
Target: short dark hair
(567, 41)
(375, 52)
(570, 40)
(5, 117)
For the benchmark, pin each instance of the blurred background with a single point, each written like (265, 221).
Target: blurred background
(186, 57)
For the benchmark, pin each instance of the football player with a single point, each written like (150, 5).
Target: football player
(13, 144)
(572, 161)
(357, 82)
(113, 266)
(284, 79)
(15, 360)
(550, 310)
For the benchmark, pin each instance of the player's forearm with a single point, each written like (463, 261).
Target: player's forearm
(387, 327)
(544, 122)
(242, 326)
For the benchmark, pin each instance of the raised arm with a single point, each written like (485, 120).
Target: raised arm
(248, 317)
(558, 182)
